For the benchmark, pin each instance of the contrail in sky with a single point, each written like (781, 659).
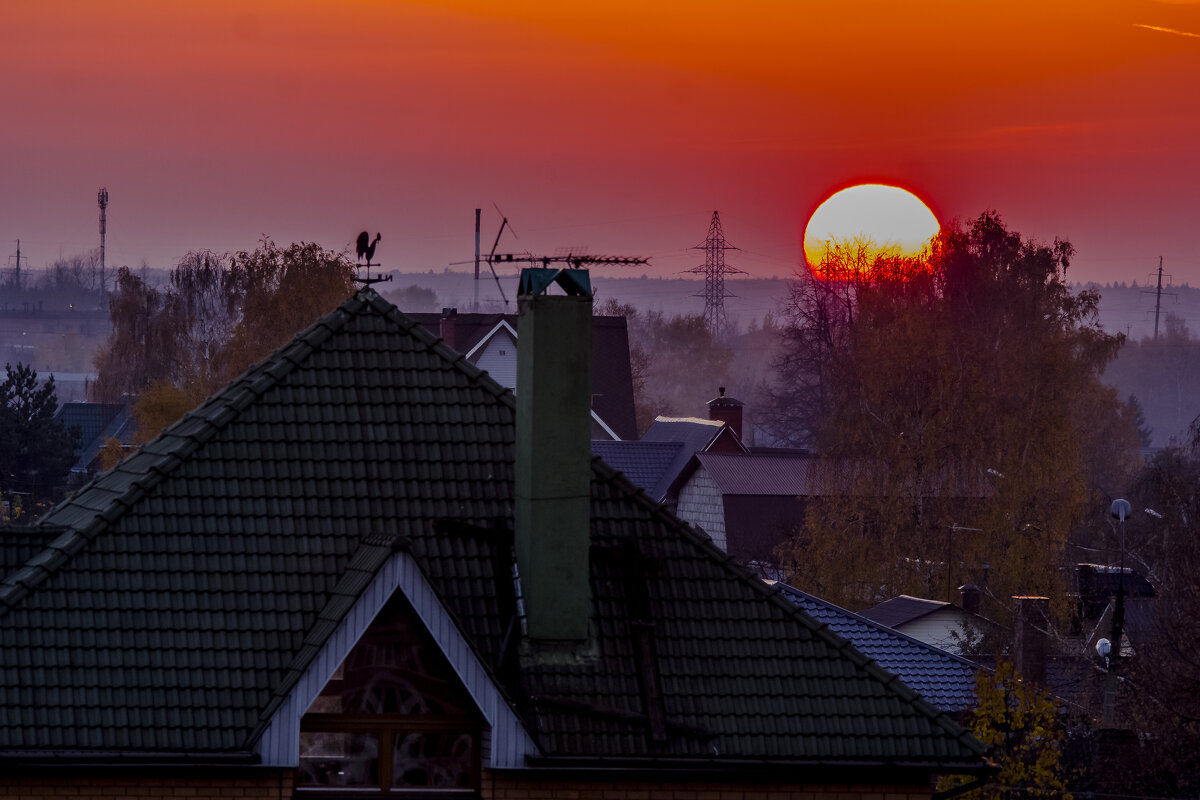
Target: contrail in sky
(1167, 30)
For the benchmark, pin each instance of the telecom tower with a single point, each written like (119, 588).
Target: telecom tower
(715, 269)
(102, 200)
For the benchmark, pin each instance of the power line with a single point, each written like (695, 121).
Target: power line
(714, 270)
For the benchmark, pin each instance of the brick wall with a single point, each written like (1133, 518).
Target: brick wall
(115, 783)
(504, 786)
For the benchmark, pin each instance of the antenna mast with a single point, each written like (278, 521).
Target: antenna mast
(715, 269)
(17, 274)
(102, 201)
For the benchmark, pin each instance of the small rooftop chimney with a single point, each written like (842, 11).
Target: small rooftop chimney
(446, 326)
(727, 410)
(1029, 645)
(970, 598)
(553, 474)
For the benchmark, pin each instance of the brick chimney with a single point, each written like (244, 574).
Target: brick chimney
(446, 326)
(553, 453)
(727, 410)
(1032, 615)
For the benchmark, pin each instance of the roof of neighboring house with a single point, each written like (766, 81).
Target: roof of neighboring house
(903, 609)
(612, 376)
(696, 434)
(191, 580)
(944, 679)
(96, 422)
(759, 474)
(647, 465)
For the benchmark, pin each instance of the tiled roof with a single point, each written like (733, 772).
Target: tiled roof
(19, 543)
(647, 465)
(902, 609)
(190, 579)
(695, 433)
(944, 679)
(757, 474)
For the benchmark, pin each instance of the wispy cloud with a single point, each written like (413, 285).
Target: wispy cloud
(1167, 30)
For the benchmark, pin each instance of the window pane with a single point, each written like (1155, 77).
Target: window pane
(434, 760)
(338, 759)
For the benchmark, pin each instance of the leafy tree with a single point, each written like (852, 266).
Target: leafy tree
(36, 453)
(217, 315)
(1021, 724)
(954, 391)
(414, 299)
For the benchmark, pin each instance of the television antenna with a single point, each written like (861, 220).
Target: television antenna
(570, 259)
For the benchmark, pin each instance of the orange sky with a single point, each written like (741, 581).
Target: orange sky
(616, 125)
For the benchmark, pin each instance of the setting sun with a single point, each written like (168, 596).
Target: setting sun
(886, 216)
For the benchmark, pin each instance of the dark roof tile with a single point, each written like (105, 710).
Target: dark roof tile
(212, 564)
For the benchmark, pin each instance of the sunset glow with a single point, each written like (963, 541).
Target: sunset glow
(619, 126)
(888, 217)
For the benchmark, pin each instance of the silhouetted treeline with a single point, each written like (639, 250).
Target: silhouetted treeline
(1164, 375)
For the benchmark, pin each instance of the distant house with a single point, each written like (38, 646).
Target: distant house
(366, 569)
(97, 423)
(489, 341)
(935, 622)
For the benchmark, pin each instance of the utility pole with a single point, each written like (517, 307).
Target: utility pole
(102, 201)
(715, 269)
(1158, 297)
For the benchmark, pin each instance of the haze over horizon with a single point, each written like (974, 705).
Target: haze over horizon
(616, 127)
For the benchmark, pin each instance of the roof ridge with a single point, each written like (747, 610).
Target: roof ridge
(842, 646)
(159, 457)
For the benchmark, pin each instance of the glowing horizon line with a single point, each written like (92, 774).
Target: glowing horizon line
(1167, 30)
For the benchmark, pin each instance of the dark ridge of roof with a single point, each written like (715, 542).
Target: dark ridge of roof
(197, 578)
(646, 464)
(19, 543)
(946, 680)
(902, 610)
(696, 435)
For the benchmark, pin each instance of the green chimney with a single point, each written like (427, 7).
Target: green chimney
(553, 477)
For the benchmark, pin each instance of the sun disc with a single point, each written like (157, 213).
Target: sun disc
(886, 216)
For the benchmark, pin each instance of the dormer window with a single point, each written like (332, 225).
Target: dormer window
(393, 719)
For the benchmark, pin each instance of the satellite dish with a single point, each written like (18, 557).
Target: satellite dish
(1103, 647)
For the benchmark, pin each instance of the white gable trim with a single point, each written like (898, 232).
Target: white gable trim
(502, 325)
(279, 745)
(604, 425)
(487, 337)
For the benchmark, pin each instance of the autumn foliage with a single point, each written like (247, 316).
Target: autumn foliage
(956, 403)
(218, 315)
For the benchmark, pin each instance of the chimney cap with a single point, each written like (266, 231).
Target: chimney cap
(449, 312)
(722, 400)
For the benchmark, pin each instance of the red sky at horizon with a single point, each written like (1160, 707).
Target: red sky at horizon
(617, 126)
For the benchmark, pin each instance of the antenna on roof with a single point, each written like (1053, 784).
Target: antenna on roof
(365, 248)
